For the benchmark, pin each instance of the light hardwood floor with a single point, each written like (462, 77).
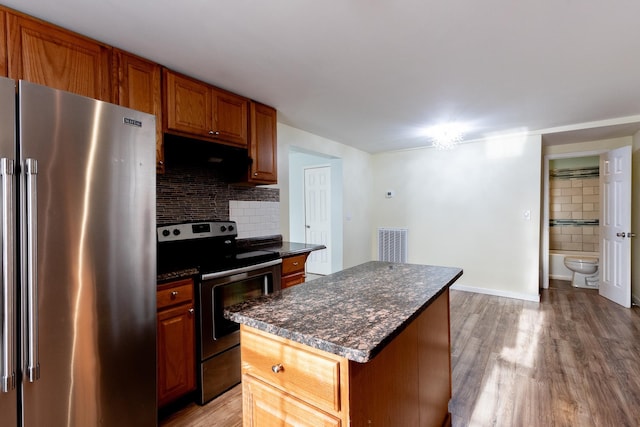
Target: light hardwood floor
(572, 360)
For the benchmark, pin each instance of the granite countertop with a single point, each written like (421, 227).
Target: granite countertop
(175, 275)
(269, 243)
(276, 244)
(286, 249)
(353, 313)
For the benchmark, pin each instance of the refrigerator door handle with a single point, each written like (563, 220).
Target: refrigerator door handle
(8, 368)
(33, 363)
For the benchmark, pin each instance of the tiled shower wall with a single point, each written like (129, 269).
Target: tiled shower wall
(575, 213)
(197, 192)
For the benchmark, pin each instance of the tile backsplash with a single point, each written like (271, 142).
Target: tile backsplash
(188, 192)
(255, 218)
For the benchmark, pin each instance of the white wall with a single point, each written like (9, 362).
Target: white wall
(357, 177)
(465, 208)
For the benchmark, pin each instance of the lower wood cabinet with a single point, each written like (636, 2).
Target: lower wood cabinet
(176, 340)
(268, 406)
(408, 382)
(293, 272)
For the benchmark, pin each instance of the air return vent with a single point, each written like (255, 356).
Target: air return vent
(392, 244)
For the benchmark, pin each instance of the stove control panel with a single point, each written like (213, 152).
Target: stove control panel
(197, 230)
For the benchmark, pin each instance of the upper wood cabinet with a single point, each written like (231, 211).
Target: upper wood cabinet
(137, 84)
(196, 109)
(49, 55)
(3, 43)
(263, 145)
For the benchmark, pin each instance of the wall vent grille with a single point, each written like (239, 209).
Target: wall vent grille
(392, 244)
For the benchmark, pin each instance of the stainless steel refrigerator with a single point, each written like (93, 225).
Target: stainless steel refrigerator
(78, 260)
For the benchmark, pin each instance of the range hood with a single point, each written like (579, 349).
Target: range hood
(183, 151)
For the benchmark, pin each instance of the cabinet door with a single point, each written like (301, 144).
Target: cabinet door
(264, 405)
(176, 353)
(48, 55)
(187, 105)
(138, 87)
(231, 118)
(263, 146)
(3, 43)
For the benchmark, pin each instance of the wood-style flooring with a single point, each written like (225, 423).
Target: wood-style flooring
(571, 360)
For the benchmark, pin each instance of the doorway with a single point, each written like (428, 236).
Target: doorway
(547, 252)
(301, 160)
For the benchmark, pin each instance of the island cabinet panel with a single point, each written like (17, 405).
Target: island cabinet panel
(434, 361)
(137, 85)
(408, 382)
(263, 145)
(48, 55)
(386, 387)
(175, 340)
(198, 110)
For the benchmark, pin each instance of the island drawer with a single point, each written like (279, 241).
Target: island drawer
(310, 376)
(174, 293)
(293, 264)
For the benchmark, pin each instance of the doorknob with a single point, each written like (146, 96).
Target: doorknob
(308, 226)
(623, 234)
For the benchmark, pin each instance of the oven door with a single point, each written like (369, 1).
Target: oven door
(222, 289)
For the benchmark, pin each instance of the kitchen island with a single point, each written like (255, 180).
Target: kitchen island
(365, 346)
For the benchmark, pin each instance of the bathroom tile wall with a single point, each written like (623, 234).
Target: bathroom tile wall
(574, 214)
(188, 192)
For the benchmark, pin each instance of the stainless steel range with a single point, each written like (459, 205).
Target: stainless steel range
(226, 276)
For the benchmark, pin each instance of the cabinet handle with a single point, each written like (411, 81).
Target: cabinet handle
(295, 263)
(255, 174)
(174, 294)
(277, 368)
(214, 132)
(191, 311)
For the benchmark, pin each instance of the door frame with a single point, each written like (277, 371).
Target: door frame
(544, 250)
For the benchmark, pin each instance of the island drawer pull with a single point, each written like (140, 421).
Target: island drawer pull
(277, 368)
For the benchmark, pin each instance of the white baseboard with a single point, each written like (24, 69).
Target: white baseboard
(497, 293)
(560, 277)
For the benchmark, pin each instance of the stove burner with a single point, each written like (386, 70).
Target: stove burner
(209, 246)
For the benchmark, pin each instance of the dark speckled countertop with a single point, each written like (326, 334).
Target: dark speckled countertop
(286, 249)
(353, 313)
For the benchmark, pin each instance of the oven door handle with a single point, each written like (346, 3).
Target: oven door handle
(249, 268)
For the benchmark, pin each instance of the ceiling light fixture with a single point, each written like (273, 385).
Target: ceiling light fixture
(446, 136)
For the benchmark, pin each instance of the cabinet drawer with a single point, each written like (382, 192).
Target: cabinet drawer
(292, 280)
(293, 264)
(309, 376)
(174, 293)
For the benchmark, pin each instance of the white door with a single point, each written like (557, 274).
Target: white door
(317, 214)
(615, 229)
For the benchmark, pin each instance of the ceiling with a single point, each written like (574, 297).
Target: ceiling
(371, 74)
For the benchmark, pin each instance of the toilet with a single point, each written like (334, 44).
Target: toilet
(585, 271)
